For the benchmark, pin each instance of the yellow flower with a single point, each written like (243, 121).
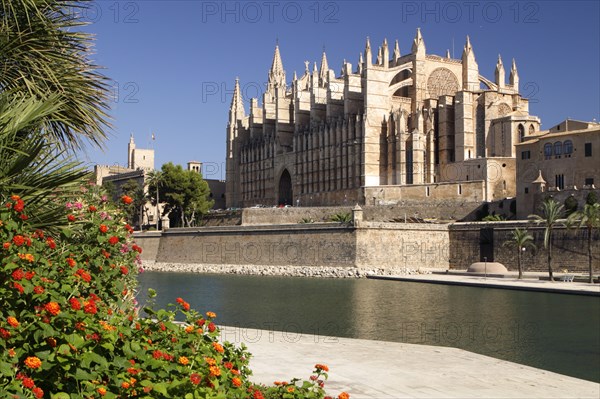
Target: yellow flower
(184, 360)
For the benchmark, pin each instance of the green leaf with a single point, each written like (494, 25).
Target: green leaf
(60, 395)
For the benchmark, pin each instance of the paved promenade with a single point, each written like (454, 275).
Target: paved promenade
(375, 369)
(509, 281)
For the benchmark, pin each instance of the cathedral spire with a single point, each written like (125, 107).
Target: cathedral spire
(368, 55)
(418, 46)
(277, 73)
(324, 69)
(236, 111)
(470, 69)
(385, 53)
(514, 76)
(396, 52)
(499, 73)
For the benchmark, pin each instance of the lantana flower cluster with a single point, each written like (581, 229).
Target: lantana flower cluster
(70, 326)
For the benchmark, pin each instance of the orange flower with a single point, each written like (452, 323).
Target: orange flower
(33, 362)
(344, 395)
(125, 385)
(290, 389)
(211, 315)
(210, 361)
(218, 347)
(215, 371)
(189, 329)
(236, 381)
(126, 199)
(11, 352)
(101, 391)
(53, 308)
(322, 367)
(184, 360)
(12, 321)
(103, 228)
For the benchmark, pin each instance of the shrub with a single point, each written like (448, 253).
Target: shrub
(69, 326)
(591, 198)
(571, 205)
(342, 217)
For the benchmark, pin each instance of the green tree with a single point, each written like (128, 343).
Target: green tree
(589, 218)
(591, 198)
(551, 212)
(45, 55)
(52, 101)
(30, 166)
(520, 239)
(184, 193)
(571, 205)
(154, 181)
(134, 213)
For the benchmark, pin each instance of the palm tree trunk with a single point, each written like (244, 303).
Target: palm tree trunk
(550, 259)
(519, 263)
(590, 254)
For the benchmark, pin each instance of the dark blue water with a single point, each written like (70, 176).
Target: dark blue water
(555, 332)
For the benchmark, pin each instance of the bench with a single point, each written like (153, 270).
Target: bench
(567, 278)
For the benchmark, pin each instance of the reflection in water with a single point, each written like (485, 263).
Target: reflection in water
(550, 331)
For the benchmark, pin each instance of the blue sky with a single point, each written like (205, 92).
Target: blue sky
(174, 63)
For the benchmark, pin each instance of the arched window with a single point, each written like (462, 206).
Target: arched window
(568, 147)
(558, 148)
(548, 150)
(531, 129)
(521, 130)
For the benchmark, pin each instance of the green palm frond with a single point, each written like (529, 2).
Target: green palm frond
(44, 55)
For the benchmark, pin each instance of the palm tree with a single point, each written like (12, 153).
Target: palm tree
(589, 218)
(520, 239)
(551, 213)
(154, 179)
(44, 54)
(31, 166)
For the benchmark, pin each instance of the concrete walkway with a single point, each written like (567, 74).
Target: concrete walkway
(377, 369)
(509, 281)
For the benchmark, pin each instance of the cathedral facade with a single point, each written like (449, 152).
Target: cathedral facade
(416, 121)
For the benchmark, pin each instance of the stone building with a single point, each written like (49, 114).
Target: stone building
(559, 162)
(404, 125)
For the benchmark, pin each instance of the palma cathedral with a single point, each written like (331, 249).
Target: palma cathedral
(400, 126)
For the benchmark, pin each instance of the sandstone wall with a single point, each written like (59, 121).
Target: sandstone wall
(569, 252)
(402, 245)
(317, 245)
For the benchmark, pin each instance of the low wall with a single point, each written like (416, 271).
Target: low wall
(471, 241)
(295, 245)
(373, 245)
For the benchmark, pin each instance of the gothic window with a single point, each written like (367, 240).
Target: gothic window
(557, 148)
(531, 129)
(521, 133)
(568, 148)
(548, 150)
(442, 82)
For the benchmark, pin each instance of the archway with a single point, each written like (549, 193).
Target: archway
(285, 196)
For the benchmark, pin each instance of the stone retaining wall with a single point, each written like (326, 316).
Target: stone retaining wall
(569, 246)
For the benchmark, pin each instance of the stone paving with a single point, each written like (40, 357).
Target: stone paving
(376, 369)
(509, 281)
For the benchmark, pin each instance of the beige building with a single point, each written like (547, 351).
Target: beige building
(560, 162)
(401, 120)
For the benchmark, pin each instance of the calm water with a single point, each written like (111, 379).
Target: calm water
(556, 332)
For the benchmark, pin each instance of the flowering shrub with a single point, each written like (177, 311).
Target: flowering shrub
(69, 326)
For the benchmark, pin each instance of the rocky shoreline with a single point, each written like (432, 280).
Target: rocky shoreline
(287, 271)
